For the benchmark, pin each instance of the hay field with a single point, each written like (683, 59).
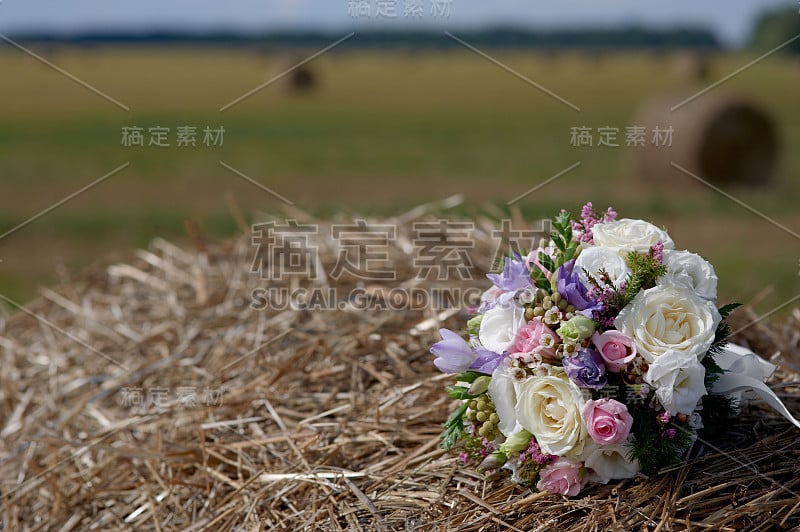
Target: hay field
(142, 391)
(384, 131)
(148, 394)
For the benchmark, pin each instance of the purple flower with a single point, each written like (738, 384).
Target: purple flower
(453, 354)
(586, 368)
(574, 291)
(516, 276)
(487, 361)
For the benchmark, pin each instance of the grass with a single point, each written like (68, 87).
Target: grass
(384, 132)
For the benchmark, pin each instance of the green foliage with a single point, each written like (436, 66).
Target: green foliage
(470, 331)
(726, 310)
(645, 271)
(723, 329)
(716, 413)
(454, 427)
(468, 376)
(539, 278)
(566, 246)
(713, 371)
(547, 262)
(566, 249)
(653, 450)
(459, 392)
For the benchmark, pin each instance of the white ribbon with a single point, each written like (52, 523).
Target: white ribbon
(745, 372)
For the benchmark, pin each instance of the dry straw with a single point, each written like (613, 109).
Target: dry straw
(328, 420)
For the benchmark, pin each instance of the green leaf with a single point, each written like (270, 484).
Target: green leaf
(569, 254)
(454, 427)
(653, 451)
(562, 220)
(541, 281)
(468, 376)
(546, 262)
(459, 392)
(725, 310)
(713, 370)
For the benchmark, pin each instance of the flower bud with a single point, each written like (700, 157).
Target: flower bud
(578, 328)
(475, 322)
(493, 461)
(479, 385)
(516, 442)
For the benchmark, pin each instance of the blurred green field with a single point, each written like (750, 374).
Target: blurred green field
(383, 132)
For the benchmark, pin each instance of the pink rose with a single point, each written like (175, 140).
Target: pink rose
(563, 477)
(529, 340)
(607, 421)
(615, 348)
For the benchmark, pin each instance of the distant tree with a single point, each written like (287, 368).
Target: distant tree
(775, 27)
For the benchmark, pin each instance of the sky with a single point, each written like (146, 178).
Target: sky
(731, 20)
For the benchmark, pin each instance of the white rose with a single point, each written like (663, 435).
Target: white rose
(609, 462)
(690, 271)
(628, 235)
(669, 322)
(598, 258)
(502, 390)
(550, 409)
(499, 327)
(679, 383)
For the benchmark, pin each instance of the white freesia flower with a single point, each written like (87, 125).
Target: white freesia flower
(627, 235)
(596, 258)
(690, 271)
(499, 327)
(679, 382)
(669, 322)
(550, 409)
(609, 462)
(503, 392)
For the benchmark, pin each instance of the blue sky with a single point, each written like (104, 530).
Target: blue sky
(731, 19)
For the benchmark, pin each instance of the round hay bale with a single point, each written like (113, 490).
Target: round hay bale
(296, 79)
(302, 79)
(721, 139)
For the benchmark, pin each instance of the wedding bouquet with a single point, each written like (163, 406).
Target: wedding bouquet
(598, 355)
